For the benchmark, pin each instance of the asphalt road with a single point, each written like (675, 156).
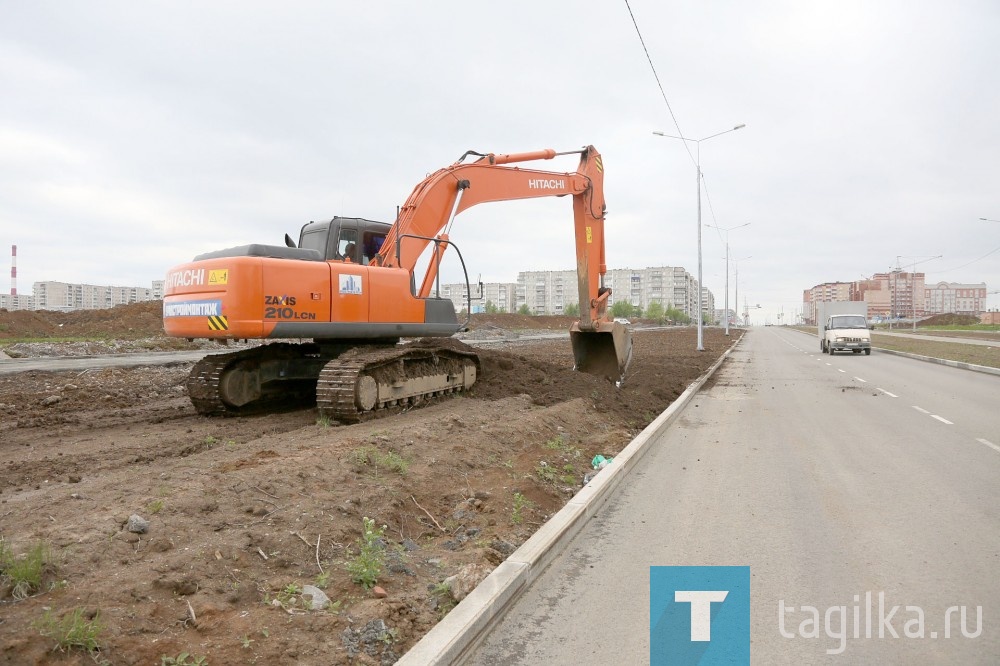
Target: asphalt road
(831, 478)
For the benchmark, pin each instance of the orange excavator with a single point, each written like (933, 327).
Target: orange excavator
(349, 285)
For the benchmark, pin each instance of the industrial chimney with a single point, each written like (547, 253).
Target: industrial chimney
(13, 270)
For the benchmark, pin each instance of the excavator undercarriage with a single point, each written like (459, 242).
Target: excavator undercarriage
(347, 382)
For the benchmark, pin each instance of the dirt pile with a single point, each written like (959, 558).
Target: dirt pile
(950, 319)
(137, 320)
(245, 513)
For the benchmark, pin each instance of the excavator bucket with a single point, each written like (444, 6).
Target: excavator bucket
(606, 351)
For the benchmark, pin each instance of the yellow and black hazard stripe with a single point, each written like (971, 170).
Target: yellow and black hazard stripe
(598, 163)
(218, 323)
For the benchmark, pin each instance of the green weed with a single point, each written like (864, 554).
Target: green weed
(445, 601)
(563, 447)
(322, 581)
(545, 472)
(183, 659)
(155, 506)
(366, 567)
(520, 504)
(72, 630)
(370, 456)
(24, 573)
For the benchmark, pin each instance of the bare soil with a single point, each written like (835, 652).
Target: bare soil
(243, 513)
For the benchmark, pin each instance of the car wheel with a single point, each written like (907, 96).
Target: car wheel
(868, 352)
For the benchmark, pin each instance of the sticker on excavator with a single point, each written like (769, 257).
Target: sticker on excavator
(210, 308)
(350, 284)
(590, 235)
(219, 276)
(218, 323)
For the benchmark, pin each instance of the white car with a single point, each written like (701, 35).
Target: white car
(622, 320)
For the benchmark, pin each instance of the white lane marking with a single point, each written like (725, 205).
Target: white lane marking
(920, 409)
(863, 381)
(988, 443)
(829, 363)
(839, 370)
(891, 395)
(941, 419)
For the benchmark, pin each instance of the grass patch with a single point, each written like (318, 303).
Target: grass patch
(369, 456)
(183, 659)
(952, 351)
(560, 445)
(545, 472)
(25, 572)
(993, 328)
(72, 630)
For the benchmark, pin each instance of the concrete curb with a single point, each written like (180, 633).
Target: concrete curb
(465, 625)
(932, 359)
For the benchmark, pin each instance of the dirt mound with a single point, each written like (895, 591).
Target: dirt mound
(136, 320)
(950, 319)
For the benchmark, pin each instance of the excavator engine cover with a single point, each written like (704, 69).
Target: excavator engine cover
(605, 351)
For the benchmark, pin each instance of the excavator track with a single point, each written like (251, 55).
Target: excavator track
(367, 383)
(218, 388)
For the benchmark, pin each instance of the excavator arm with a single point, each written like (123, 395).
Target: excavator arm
(600, 346)
(434, 203)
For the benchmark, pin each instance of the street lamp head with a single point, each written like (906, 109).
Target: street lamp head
(740, 126)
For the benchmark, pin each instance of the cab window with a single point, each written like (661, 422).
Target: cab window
(347, 244)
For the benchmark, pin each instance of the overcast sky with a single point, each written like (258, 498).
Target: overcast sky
(134, 135)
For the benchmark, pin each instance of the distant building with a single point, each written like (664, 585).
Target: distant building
(899, 294)
(955, 298)
(52, 295)
(550, 292)
(823, 293)
(500, 295)
(17, 302)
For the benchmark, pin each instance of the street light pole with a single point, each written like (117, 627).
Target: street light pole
(727, 230)
(697, 142)
(736, 299)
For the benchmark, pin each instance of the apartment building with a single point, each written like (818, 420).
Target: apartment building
(501, 295)
(52, 295)
(955, 297)
(821, 293)
(549, 292)
(899, 294)
(16, 302)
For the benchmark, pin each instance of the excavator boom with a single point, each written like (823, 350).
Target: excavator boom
(600, 346)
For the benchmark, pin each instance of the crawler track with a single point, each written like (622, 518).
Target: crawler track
(360, 383)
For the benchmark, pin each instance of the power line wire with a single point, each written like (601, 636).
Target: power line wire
(658, 83)
(948, 270)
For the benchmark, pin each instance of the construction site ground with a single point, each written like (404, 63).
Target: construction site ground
(243, 513)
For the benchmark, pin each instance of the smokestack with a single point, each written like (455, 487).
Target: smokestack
(13, 270)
